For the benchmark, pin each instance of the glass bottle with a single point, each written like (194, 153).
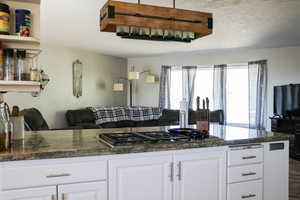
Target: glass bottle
(20, 72)
(184, 114)
(5, 128)
(8, 64)
(34, 71)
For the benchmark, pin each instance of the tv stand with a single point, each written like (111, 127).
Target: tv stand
(289, 126)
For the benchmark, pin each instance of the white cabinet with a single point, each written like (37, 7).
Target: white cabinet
(245, 172)
(136, 178)
(200, 175)
(83, 191)
(256, 172)
(45, 193)
(251, 190)
(276, 170)
(38, 175)
(80, 191)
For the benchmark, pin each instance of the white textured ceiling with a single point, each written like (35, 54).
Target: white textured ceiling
(237, 24)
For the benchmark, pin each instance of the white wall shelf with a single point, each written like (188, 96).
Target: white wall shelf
(18, 39)
(19, 86)
(27, 1)
(17, 42)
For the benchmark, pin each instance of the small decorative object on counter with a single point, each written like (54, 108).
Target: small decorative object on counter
(35, 74)
(18, 124)
(203, 119)
(23, 22)
(6, 128)
(8, 64)
(4, 19)
(21, 75)
(184, 114)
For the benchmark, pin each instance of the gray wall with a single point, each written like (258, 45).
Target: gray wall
(98, 74)
(284, 68)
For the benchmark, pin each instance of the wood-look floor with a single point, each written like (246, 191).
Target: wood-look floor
(294, 180)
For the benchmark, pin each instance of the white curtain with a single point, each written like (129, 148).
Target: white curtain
(164, 89)
(219, 93)
(188, 80)
(258, 81)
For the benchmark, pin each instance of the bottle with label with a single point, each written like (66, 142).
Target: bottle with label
(5, 128)
(8, 64)
(34, 70)
(20, 72)
(4, 19)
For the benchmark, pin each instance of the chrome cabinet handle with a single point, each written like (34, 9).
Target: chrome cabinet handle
(172, 172)
(248, 196)
(249, 157)
(57, 175)
(179, 171)
(249, 174)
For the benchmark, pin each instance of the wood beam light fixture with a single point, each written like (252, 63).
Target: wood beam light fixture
(147, 22)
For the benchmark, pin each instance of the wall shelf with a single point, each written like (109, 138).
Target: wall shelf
(19, 86)
(27, 1)
(31, 44)
(18, 39)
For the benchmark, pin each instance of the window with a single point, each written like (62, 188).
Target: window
(236, 91)
(176, 88)
(237, 95)
(204, 85)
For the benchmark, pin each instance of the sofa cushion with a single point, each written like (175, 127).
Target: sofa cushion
(120, 124)
(75, 117)
(147, 123)
(169, 115)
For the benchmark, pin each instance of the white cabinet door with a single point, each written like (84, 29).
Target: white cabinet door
(276, 170)
(146, 178)
(45, 193)
(201, 176)
(83, 191)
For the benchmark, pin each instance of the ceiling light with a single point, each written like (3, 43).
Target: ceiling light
(147, 22)
(118, 87)
(150, 79)
(133, 75)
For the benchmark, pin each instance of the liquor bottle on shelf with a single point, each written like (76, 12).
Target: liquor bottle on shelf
(9, 63)
(20, 67)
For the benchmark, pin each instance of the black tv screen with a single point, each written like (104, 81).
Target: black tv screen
(286, 99)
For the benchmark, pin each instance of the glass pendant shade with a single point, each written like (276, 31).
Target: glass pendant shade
(118, 87)
(133, 76)
(150, 79)
(122, 30)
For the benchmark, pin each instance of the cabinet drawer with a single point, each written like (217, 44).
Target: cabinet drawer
(245, 156)
(44, 175)
(245, 191)
(245, 173)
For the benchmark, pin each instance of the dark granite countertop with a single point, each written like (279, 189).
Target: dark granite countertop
(79, 143)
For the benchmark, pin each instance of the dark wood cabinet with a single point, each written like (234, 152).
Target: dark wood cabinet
(289, 126)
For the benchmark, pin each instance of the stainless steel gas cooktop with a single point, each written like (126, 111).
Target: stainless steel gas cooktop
(173, 135)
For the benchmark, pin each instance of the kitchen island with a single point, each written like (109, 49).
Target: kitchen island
(232, 164)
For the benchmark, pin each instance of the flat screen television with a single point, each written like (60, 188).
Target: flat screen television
(286, 99)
